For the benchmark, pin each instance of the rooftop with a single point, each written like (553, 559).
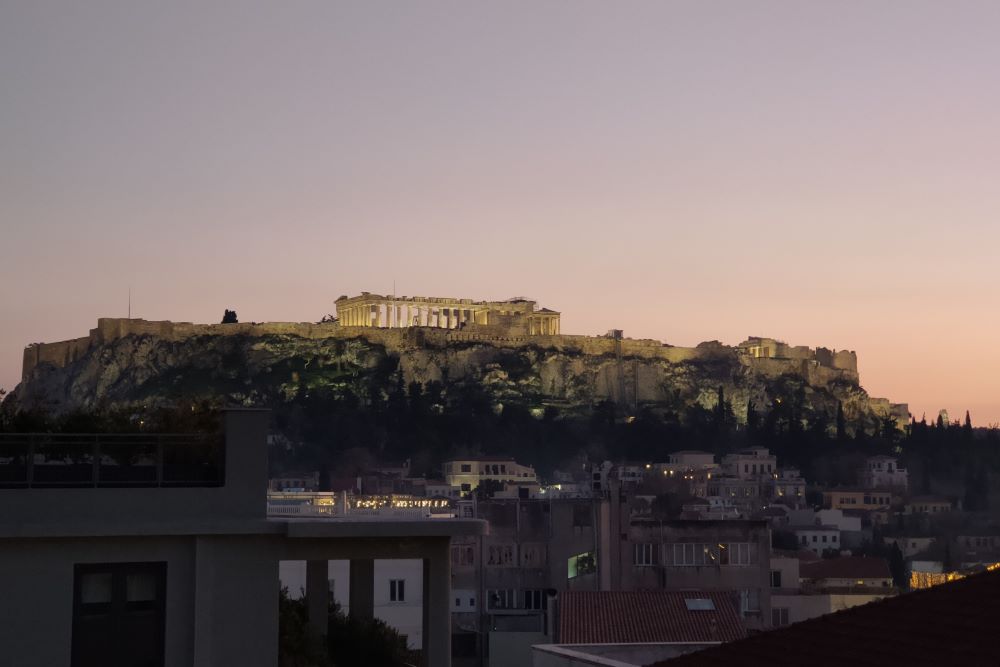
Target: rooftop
(950, 624)
(846, 567)
(647, 617)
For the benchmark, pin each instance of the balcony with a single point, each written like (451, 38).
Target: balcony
(342, 506)
(76, 460)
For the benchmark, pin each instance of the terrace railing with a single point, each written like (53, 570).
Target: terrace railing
(74, 460)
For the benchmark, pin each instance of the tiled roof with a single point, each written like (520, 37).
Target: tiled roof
(625, 617)
(950, 624)
(846, 567)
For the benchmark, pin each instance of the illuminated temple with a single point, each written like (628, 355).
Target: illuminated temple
(517, 316)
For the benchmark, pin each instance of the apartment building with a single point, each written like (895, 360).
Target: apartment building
(157, 550)
(466, 474)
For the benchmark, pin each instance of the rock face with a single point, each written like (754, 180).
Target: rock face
(261, 365)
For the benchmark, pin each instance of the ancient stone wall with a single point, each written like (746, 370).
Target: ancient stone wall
(817, 367)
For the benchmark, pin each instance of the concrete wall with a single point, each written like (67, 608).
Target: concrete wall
(221, 597)
(513, 649)
(86, 510)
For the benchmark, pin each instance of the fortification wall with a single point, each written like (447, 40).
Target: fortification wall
(60, 354)
(817, 367)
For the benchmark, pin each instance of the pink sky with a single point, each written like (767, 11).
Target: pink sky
(823, 173)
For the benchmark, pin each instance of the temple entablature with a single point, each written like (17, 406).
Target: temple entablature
(517, 316)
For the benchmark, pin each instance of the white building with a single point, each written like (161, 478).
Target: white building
(468, 473)
(818, 538)
(750, 463)
(398, 589)
(883, 472)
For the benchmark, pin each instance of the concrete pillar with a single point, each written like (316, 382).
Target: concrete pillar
(437, 609)
(362, 593)
(318, 594)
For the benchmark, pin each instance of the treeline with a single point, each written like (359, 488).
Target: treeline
(347, 429)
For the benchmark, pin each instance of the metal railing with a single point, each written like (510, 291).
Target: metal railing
(73, 460)
(342, 505)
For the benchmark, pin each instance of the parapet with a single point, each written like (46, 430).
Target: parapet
(758, 347)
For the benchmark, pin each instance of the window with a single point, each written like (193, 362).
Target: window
(695, 554)
(533, 555)
(775, 578)
(824, 538)
(734, 553)
(118, 614)
(466, 467)
(534, 598)
(749, 601)
(466, 487)
(833, 538)
(814, 538)
(779, 617)
(642, 554)
(502, 598)
(581, 564)
(463, 555)
(500, 555)
(397, 590)
(699, 604)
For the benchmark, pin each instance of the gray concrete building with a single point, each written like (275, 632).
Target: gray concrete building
(157, 550)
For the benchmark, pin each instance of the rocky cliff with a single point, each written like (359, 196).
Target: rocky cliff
(261, 365)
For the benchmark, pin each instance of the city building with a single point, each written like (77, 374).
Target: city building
(883, 472)
(157, 550)
(635, 628)
(818, 539)
(752, 463)
(927, 505)
(467, 474)
(804, 586)
(857, 499)
(952, 624)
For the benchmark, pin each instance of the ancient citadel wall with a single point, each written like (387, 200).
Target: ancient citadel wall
(818, 367)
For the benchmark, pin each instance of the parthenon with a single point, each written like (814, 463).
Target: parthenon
(517, 316)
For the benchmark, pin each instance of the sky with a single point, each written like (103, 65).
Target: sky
(819, 172)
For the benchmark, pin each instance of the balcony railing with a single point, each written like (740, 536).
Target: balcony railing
(73, 460)
(341, 506)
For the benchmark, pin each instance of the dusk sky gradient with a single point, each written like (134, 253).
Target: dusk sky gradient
(825, 173)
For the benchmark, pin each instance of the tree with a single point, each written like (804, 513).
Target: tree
(229, 317)
(897, 567)
(841, 423)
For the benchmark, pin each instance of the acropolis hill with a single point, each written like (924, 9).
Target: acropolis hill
(511, 347)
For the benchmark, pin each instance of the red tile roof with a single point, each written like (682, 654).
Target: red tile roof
(951, 624)
(625, 617)
(846, 567)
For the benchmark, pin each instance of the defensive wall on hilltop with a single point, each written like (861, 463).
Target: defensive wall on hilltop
(765, 356)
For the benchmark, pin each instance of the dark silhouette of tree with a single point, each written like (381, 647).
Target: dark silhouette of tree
(841, 423)
(229, 317)
(897, 566)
